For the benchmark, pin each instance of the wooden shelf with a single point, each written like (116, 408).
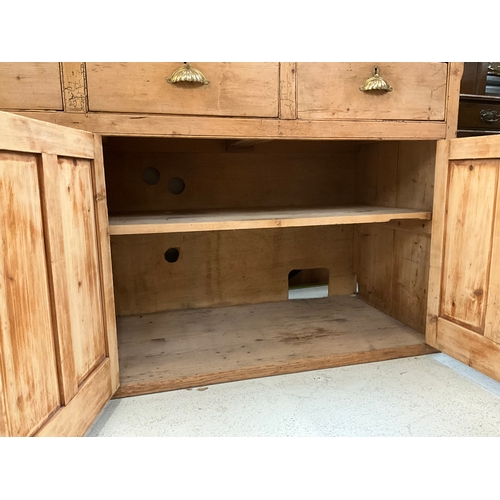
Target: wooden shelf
(190, 348)
(217, 220)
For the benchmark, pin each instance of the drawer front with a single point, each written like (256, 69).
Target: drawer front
(30, 86)
(329, 91)
(477, 115)
(235, 89)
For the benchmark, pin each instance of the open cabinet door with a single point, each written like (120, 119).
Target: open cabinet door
(463, 313)
(58, 349)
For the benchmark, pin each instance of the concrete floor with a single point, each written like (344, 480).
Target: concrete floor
(431, 395)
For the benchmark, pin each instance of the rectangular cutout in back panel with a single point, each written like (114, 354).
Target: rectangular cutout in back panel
(470, 211)
(308, 283)
(207, 176)
(220, 268)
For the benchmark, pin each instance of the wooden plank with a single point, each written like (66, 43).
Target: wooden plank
(475, 147)
(180, 349)
(226, 267)
(419, 227)
(377, 173)
(470, 210)
(288, 91)
(106, 273)
(235, 89)
(256, 219)
(58, 276)
(331, 91)
(410, 277)
(242, 128)
(76, 418)
(492, 321)
(373, 265)
(74, 84)
(30, 86)
(415, 177)
(276, 174)
(243, 145)
(476, 351)
(4, 417)
(21, 134)
(72, 240)
(455, 71)
(437, 240)
(28, 361)
(396, 174)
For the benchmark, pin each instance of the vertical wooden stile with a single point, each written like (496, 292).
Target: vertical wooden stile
(288, 91)
(104, 251)
(455, 71)
(437, 240)
(74, 87)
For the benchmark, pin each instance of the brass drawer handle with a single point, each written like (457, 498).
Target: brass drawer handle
(489, 115)
(187, 74)
(376, 82)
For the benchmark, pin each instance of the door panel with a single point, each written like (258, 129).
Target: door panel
(492, 323)
(28, 357)
(472, 192)
(464, 284)
(72, 244)
(58, 356)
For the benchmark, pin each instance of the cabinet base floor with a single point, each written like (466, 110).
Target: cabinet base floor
(196, 347)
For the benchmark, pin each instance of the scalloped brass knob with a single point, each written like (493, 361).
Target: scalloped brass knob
(376, 82)
(187, 74)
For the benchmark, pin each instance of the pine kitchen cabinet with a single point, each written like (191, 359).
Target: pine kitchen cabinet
(152, 228)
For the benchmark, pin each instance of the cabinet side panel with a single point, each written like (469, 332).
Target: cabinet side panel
(468, 241)
(410, 278)
(415, 178)
(75, 264)
(396, 174)
(27, 345)
(373, 257)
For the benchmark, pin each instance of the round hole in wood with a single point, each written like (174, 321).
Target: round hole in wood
(176, 185)
(171, 255)
(151, 176)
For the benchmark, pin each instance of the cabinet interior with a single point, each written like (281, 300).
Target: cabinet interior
(208, 236)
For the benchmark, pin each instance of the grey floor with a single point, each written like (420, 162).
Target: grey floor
(431, 395)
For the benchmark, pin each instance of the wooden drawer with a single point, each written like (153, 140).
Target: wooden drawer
(30, 86)
(235, 89)
(329, 91)
(479, 115)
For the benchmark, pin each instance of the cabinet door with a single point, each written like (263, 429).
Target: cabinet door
(464, 291)
(58, 363)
